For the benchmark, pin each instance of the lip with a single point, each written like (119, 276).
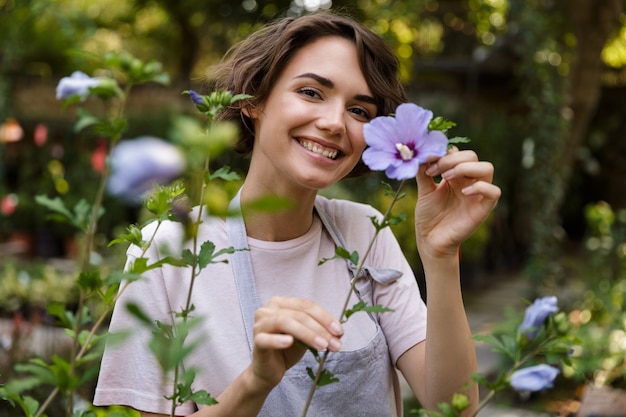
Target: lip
(323, 144)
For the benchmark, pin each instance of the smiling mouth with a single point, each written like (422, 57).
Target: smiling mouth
(318, 149)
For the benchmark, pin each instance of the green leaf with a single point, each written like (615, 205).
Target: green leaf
(225, 174)
(378, 225)
(362, 306)
(440, 123)
(56, 205)
(133, 237)
(499, 345)
(168, 260)
(40, 370)
(313, 351)
(458, 139)
(90, 280)
(205, 256)
(85, 120)
(139, 314)
(342, 253)
(111, 128)
(202, 397)
(394, 220)
(327, 378)
(58, 310)
(188, 257)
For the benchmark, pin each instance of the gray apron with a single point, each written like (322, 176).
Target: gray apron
(366, 376)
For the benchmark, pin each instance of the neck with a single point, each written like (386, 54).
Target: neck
(281, 225)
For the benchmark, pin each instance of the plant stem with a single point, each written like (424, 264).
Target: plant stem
(359, 268)
(194, 274)
(90, 232)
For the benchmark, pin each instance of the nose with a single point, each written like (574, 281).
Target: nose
(331, 119)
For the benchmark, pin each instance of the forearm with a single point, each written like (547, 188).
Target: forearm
(243, 398)
(450, 354)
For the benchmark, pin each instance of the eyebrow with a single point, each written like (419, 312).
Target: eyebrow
(329, 84)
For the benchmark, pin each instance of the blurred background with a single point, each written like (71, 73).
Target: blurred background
(538, 85)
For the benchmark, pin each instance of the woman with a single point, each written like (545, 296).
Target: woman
(315, 82)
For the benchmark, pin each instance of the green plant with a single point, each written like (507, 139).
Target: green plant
(599, 321)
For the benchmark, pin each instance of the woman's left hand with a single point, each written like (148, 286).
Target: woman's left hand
(448, 212)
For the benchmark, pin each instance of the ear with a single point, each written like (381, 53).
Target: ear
(250, 111)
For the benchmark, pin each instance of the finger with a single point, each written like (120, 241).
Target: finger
(436, 166)
(490, 192)
(425, 182)
(273, 341)
(301, 324)
(311, 308)
(470, 170)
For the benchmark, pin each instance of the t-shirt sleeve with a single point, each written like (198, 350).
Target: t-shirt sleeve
(130, 375)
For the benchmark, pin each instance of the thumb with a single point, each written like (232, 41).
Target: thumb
(425, 182)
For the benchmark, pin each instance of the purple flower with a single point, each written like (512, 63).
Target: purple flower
(77, 84)
(137, 164)
(196, 98)
(398, 145)
(534, 378)
(536, 314)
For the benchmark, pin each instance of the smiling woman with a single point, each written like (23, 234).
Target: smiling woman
(314, 83)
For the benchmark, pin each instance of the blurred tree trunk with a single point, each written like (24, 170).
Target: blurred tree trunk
(593, 23)
(561, 102)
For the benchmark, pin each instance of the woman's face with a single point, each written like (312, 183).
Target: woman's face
(309, 131)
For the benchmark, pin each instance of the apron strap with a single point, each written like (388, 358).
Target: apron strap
(242, 268)
(380, 275)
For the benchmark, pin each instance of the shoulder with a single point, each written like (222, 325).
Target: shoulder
(351, 218)
(347, 210)
(168, 236)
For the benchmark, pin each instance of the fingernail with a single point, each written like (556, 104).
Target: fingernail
(432, 169)
(335, 345)
(448, 174)
(336, 328)
(468, 190)
(320, 343)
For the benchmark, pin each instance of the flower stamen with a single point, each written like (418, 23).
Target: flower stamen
(406, 153)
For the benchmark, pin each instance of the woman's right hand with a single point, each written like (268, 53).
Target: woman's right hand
(277, 328)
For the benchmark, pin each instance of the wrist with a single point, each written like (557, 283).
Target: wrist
(255, 385)
(440, 264)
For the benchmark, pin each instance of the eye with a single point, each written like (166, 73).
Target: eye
(310, 92)
(361, 113)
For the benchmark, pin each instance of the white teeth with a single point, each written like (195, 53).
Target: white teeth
(313, 148)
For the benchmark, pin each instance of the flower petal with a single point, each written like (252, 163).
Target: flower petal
(536, 314)
(381, 133)
(377, 160)
(412, 122)
(404, 170)
(137, 164)
(434, 143)
(534, 378)
(77, 84)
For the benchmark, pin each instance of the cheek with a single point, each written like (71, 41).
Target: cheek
(357, 139)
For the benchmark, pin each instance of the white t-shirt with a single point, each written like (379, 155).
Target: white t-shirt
(129, 374)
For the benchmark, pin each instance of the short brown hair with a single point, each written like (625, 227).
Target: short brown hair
(253, 65)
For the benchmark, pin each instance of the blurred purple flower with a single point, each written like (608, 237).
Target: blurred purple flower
(398, 145)
(77, 84)
(534, 378)
(138, 164)
(196, 98)
(536, 314)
